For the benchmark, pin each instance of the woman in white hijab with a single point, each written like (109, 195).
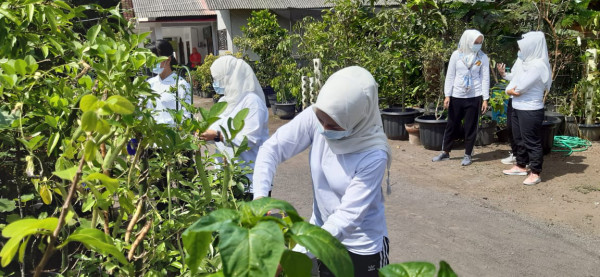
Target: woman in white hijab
(348, 161)
(529, 81)
(235, 79)
(467, 93)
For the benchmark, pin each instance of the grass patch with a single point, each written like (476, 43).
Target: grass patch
(585, 189)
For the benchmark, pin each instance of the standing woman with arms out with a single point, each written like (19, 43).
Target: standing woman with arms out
(348, 158)
(467, 93)
(527, 90)
(162, 83)
(235, 79)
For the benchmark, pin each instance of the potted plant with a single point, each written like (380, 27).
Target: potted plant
(287, 88)
(265, 38)
(485, 130)
(203, 78)
(499, 103)
(591, 87)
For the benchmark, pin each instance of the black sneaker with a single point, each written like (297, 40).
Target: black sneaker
(441, 157)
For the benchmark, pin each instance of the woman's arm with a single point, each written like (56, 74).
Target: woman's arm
(450, 74)
(289, 140)
(485, 78)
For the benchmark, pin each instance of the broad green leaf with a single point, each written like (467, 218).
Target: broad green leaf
(92, 33)
(296, 264)
(89, 151)
(97, 241)
(120, 105)
(7, 205)
(86, 82)
(408, 269)
(238, 120)
(324, 246)
(56, 46)
(22, 249)
(67, 174)
(32, 144)
(46, 194)
(63, 5)
(102, 127)
(8, 67)
(253, 210)
(9, 80)
(51, 120)
(197, 238)
(110, 183)
(44, 49)
(8, 14)
(51, 17)
(254, 252)
(88, 121)
(21, 67)
(216, 109)
(20, 229)
(88, 102)
(445, 270)
(30, 11)
(52, 142)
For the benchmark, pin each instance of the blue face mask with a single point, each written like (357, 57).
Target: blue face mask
(157, 69)
(520, 56)
(218, 89)
(333, 134)
(476, 47)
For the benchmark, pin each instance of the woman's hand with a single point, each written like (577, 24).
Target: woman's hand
(209, 135)
(512, 92)
(502, 69)
(484, 106)
(446, 102)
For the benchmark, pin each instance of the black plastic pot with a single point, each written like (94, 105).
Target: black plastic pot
(284, 110)
(431, 131)
(560, 129)
(270, 96)
(485, 133)
(394, 120)
(502, 135)
(590, 132)
(549, 129)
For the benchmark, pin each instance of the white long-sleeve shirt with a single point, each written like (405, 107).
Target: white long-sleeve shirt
(348, 199)
(480, 76)
(529, 84)
(166, 100)
(256, 129)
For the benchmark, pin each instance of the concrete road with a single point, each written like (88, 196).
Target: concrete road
(474, 238)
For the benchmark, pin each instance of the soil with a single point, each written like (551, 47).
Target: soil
(482, 222)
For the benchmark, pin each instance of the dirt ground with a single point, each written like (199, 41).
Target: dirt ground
(568, 195)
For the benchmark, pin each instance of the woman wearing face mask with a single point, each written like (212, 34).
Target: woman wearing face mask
(527, 87)
(162, 83)
(234, 79)
(349, 155)
(467, 92)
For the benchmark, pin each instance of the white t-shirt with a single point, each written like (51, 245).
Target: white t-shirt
(348, 199)
(529, 84)
(457, 72)
(256, 129)
(166, 100)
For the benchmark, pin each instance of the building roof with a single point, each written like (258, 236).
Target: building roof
(276, 4)
(170, 8)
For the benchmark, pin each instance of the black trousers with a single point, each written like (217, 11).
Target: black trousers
(364, 265)
(467, 110)
(527, 134)
(509, 112)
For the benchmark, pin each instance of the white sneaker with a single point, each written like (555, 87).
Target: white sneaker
(509, 160)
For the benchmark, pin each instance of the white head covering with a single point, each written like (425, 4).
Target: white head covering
(535, 56)
(465, 45)
(238, 79)
(349, 97)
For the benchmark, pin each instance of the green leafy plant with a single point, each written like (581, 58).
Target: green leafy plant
(253, 242)
(416, 269)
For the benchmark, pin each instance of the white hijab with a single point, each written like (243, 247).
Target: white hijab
(349, 97)
(535, 56)
(465, 46)
(238, 79)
